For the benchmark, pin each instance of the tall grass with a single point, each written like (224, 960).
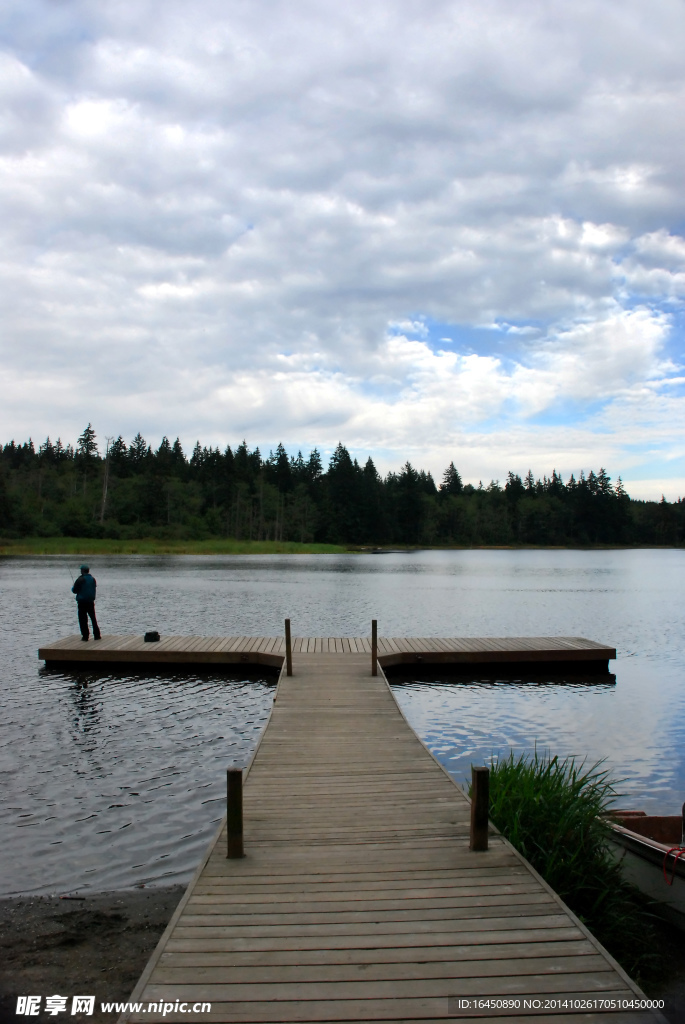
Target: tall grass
(553, 811)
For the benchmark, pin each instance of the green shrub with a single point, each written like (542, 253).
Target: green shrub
(553, 811)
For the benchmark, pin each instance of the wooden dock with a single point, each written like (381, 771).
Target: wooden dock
(358, 898)
(537, 652)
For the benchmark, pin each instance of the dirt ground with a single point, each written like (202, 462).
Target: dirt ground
(95, 946)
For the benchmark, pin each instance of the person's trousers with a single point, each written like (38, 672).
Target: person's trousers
(86, 608)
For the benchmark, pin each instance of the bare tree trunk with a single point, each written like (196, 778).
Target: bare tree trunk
(261, 510)
(105, 483)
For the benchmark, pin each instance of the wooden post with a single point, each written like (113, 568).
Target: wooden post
(234, 813)
(288, 649)
(374, 647)
(682, 838)
(480, 805)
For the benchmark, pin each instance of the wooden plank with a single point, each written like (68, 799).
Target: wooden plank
(358, 898)
(213, 895)
(230, 911)
(478, 649)
(377, 880)
(216, 988)
(226, 643)
(372, 878)
(332, 928)
(230, 943)
(474, 960)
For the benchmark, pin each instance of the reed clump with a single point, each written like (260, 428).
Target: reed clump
(554, 812)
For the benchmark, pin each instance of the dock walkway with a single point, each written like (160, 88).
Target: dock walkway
(358, 898)
(565, 652)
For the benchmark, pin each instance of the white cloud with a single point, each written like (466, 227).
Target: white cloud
(209, 220)
(671, 488)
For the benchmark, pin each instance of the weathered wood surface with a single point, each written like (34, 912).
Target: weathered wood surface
(358, 898)
(271, 650)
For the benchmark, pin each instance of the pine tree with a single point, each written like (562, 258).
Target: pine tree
(86, 448)
(197, 456)
(451, 481)
(138, 450)
(514, 487)
(163, 454)
(283, 474)
(314, 465)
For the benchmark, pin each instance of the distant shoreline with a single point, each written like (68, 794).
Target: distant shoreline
(217, 546)
(156, 546)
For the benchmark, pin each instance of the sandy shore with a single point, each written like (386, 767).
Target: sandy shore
(95, 946)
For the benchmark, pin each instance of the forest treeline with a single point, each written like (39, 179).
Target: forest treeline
(131, 491)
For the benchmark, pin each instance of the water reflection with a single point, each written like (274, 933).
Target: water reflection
(123, 782)
(119, 780)
(613, 718)
(87, 717)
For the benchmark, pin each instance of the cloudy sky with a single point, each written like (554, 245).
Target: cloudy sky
(433, 231)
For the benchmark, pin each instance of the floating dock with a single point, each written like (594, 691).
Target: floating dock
(555, 653)
(358, 898)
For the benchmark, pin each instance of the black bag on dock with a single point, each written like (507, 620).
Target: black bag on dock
(151, 637)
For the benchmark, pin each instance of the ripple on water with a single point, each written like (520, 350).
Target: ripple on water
(120, 780)
(640, 737)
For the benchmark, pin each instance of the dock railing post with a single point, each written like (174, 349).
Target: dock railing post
(288, 649)
(480, 806)
(234, 813)
(374, 647)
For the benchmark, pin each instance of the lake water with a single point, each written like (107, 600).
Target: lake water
(114, 781)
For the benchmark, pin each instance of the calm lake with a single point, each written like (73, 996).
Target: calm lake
(115, 781)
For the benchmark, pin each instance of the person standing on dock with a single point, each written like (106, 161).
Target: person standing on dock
(84, 587)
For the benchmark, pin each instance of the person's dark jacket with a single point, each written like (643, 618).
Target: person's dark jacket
(84, 587)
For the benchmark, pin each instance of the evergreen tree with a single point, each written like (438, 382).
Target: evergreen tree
(343, 479)
(314, 466)
(86, 448)
(178, 459)
(163, 456)
(281, 472)
(197, 457)
(46, 451)
(409, 505)
(137, 493)
(138, 451)
(514, 488)
(451, 481)
(298, 469)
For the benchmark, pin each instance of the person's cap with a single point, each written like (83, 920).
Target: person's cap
(84, 568)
